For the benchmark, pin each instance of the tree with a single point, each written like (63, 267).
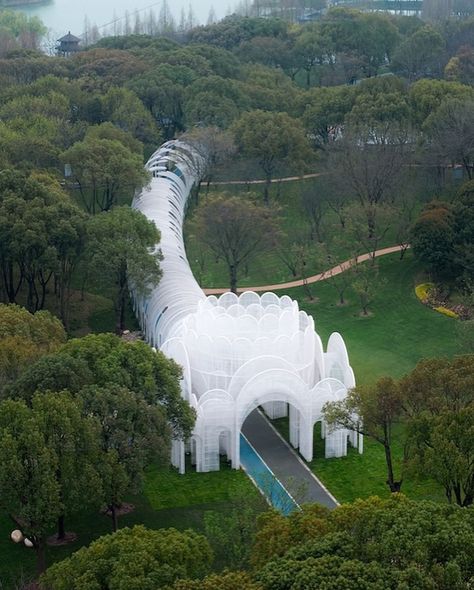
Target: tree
(213, 147)
(235, 230)
(231, 534)
(273, 139)
(313, 49)
(224, 581)
(451, 134)
(426, 96)
(460, 68)
(52, 372)
(41, 236)
(104, 169)
(25, 31)
(367, 164)
(29, 489)
(133, 434)
(432, 239)
(372, 411)
(136, 367)
(123, 250)
(136, 558)
(439, 402)
(354, 546)
(324, 114)
(419, 56)
(163, 93)
(366, 283)
(343, 275)
(25, 337)
(73, 437)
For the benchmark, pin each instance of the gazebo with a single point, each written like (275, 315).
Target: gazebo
(68, 45)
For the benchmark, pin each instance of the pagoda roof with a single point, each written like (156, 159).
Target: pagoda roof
(69, 38)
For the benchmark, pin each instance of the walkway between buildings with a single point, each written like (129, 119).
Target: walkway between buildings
(284, 462)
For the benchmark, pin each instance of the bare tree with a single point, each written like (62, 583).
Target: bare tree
(235, 230)
(451, 134)
(366, 284)
(367, 164)
(213, 146)
(312, 202)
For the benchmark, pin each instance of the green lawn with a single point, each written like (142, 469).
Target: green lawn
(268, 268)
(391, 341)
(361, 476)
(169, 500)
(400, 330)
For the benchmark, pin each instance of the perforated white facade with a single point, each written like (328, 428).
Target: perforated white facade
(237, 352)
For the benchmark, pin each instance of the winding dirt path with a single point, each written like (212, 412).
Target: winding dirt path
(315, 278)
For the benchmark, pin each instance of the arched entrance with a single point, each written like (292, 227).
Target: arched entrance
(277, 389)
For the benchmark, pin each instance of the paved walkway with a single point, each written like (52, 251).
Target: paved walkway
(284, 462)
(315, 278)
(273, 181)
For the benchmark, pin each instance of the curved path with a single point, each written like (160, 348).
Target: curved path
(273, 181)
(341, 267)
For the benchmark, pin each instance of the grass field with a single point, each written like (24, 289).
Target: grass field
(268, 267)
(399, 332)
(363, 475)
(169, 500)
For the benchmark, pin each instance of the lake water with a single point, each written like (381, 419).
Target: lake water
(61, 16)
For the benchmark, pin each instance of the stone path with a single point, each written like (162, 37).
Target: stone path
(315, 278)
(284, 462)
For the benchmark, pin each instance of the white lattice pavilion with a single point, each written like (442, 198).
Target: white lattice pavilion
(237, 352)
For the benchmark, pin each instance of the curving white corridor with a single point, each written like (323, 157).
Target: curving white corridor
(237, 352)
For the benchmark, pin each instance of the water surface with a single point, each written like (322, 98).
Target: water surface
(60, 16)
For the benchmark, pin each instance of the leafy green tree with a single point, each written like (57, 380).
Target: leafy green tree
(426, 96)
(41, 236)
(136, 367)
(73, 437)
(432, 239)
(52, 372)
(460, 68)
(25, 337)
(104, 170)
(313, 49)
(235, 230)
(231, 534)
(440, 403)
(273, 139)
(224, 581)
(211, 110)
(372, 411)
(25, 31)
(29, 489)
(163, 93)
(419, 56)
(324, 114)
(133, 434)
(110, 131)
(137, 558)
(371, 544)
(122, 250)
(123, 108)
